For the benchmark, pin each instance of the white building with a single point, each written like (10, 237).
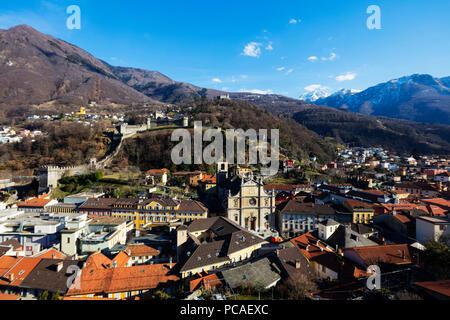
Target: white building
(432, 228)
(327, 228)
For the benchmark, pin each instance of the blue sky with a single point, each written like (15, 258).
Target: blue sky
(266, 46)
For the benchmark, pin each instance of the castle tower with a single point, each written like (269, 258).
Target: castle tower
(222, 172)
(48, 178)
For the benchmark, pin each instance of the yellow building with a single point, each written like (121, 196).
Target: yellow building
(82, 112)
(151, 212)
(361, 215)
(362, 212)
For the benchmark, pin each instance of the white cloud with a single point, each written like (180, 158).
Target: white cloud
(346, 77)
(281, 68)
(314, 87)
(289, 71)
(257, 91)
(295, 21)
(331, 58)
(252, 49)
(244, 76)
(225, 89)
(216, 80)
(269, 46)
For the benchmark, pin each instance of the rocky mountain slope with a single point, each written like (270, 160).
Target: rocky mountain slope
(36, 68)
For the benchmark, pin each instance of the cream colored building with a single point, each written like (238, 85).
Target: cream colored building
(245, 200)
(250, 206)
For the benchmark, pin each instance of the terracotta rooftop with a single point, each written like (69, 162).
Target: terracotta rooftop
(138, 250)
(157, 172)
(442, 287)
(392, 254)
(39, 202)
(19, 271)
(51, 254)
(97, 261)
(208, 281)
(123, 279)
(5, 296)
(310, 246)
(121, 259)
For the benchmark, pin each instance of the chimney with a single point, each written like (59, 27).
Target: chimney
(114, 264)
(11, 277)
(403, 255)
(59, 266)
(297, 264)
(170, 263)
(307, 248)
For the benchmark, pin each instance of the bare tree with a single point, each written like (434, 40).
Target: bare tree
(297, 288)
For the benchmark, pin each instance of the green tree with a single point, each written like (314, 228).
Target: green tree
(98, 176)
(43, 296)
(160, 295)
(56, 296)
(436, 260)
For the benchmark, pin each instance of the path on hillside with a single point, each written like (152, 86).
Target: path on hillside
(117, 143)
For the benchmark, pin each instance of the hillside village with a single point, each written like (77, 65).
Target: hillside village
(232, 234)
(94, 206)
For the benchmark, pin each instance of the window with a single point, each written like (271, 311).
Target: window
(68, 240)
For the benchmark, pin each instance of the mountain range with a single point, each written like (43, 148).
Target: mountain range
(418, 97)
(36, 69)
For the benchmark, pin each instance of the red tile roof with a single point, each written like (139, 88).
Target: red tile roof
(7, 263)
(51, 254)
(121, 259)
(157, 172)
(208, 281)
(123, 279)
(310, 246)
(442, 287)
(38, 202)
(402, 218)
(97, 261)
(139, 250)
(19, 271)
(392, 254)
(209, 179)
(5, 296)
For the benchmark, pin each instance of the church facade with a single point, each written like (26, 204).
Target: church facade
(246, 201)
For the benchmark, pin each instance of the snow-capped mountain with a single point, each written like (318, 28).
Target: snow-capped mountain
(314, 95)
(419, 97)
